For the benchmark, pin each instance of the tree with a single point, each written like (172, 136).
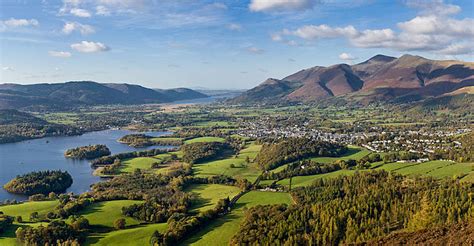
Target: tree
(119, 224)
(80, 223)
(19, 219)
(34, 216)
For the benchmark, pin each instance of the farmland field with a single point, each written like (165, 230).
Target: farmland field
(209, 194)
(205, 139)
(104, 214)
(220, 231)
(136, 236)
(240, 167)
(24, 210)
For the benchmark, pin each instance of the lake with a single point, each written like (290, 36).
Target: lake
(48, 153)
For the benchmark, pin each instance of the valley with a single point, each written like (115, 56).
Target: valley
(212, 173)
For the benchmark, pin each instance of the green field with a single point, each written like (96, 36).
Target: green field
(137, 236)
(299, 181)
(164, 139)
(452, 170)
(223, 166)
(24, 210)
(423, 168)
(104, 214)
(209, 194)
(437, 169)
(144, 163)
(205, 139)
(213, 123)
(221, 230)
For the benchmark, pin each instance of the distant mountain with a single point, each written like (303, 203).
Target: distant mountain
(381, 78)
(77, 93)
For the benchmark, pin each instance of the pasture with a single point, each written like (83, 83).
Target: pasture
(204, 139)
(137, 236)
(209, 194)
(103, 214)
(231, 166)
(221, 230)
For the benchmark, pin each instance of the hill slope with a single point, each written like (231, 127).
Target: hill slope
(381, 78)
(78, 93)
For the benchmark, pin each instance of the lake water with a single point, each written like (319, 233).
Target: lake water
(48, 154)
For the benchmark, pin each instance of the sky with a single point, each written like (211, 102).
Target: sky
(230, 44)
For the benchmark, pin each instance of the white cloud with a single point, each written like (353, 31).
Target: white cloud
(218, 6)
(373, 38)
(6, 68)
(12, 22)
(347, 57)
(89, 47)
(234, 27)
(73, 2)
(439, 26)
(280, 5)
(276, 36)
(437, 7)
(323, 31)
(255, 50)
(458, 49)
(427, 32)
(80, 13)
(70, 27)
(82, 8)
(61, 54)
(124, 3)
(102, 10)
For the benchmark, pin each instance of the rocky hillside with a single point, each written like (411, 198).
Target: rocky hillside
(381, 78)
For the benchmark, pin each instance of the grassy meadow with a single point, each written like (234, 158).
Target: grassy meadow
(209, 194)
(224, 166)
(221, 230)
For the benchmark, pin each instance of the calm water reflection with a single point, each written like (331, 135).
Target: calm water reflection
(48, 153)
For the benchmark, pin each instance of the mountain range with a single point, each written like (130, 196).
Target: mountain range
(381, 78)
(78, 93)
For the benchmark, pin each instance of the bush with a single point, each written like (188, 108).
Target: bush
(119, 224)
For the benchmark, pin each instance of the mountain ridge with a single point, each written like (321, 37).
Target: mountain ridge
(79, 93)
(380, 78)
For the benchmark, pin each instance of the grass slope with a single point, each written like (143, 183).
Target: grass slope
(223, 167)
(137, 236)
(205, 139)
(24, 210)
(299, 181)
(209, 194)
(105, 213)
(220, 231)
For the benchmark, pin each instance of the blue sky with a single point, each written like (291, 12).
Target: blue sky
(218, 44)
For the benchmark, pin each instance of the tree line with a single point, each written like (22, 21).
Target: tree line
(354, 209)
